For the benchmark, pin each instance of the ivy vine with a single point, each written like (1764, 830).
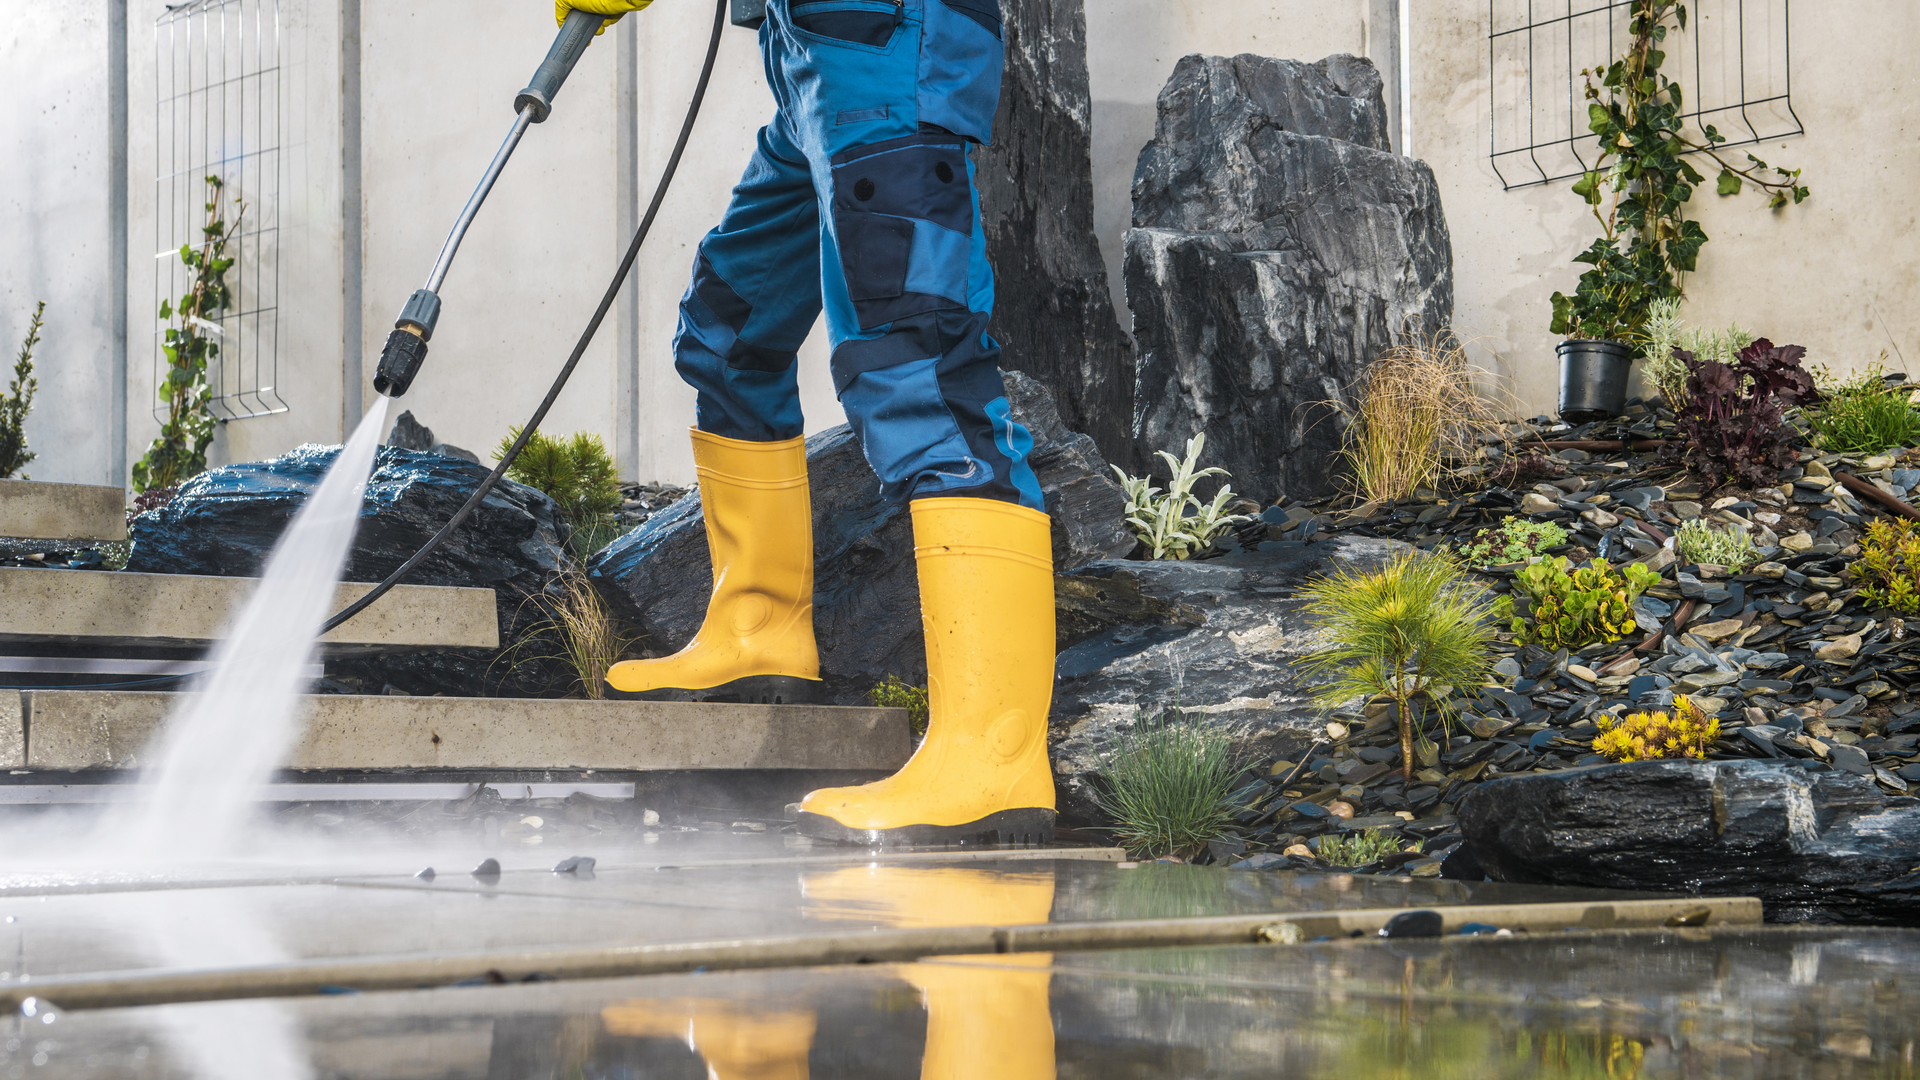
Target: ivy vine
(180, 451)
(1641, 183)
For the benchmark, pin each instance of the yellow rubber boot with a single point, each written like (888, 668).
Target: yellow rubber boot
(987, 1016)
(981, 776)
(756, 643)
(737, 1043)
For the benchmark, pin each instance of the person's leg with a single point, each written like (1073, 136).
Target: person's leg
(755, 295)
(886, 99)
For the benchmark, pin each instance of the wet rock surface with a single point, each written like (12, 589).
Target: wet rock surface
(866, 594)
(1827, 847)
(225, 521)
(1277, 247)
(1220, 638)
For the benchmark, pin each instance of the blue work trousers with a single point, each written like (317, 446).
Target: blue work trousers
(860, 199)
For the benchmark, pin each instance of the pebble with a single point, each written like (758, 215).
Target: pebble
(1685, 511)
(1581, 672)
(1839, 648)
(1535, 503)
(1717, 632)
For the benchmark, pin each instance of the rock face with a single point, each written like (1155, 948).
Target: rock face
(1053, 313)
(1220, 638)
(1277, 248)
(866, 594)
(1824, 847)
(225, 521)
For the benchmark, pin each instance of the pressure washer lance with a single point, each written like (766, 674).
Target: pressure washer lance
(406, 347)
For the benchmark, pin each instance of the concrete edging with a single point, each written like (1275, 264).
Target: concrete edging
(410, 972)
(103, 729)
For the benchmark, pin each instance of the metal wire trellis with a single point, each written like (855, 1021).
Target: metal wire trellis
(1539, 98)
(220, 112)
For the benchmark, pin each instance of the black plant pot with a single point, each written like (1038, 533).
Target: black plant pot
(1593, 380)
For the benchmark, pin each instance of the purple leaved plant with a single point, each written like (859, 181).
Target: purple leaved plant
(1735, 418)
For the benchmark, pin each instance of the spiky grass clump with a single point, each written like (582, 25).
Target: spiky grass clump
(1357, 849)
(1402, 632)
(1166, 784)
(1865, 415)
(1698, 542)
(1419, 405)
(579, 629)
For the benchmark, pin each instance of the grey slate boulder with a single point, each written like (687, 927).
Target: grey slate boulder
(1221, 638)
(1823, 847)
(1053, 311)
(1277, 249)
(225, 521)
(866, 594)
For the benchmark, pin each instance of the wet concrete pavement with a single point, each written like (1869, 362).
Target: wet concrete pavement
(1683, 1003)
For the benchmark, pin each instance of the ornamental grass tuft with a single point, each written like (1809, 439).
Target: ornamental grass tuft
(1865, 415)
(1357, 849)
(1688, 733)
(1419, 404)
(1406, 631)
(1166, 784)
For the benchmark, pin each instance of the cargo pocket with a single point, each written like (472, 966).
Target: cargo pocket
(853, 22)
(874, 250)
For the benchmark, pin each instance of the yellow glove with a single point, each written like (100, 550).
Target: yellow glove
(612, 9)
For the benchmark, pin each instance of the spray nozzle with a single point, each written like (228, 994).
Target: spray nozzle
(406, 347)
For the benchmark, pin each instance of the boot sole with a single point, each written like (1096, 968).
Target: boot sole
(1031, 827)
(752, 690)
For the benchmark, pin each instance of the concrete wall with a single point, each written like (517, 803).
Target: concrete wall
(436, 79)
(1839, 274)
(54, 221)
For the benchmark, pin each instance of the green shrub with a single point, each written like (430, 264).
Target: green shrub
(1161, 520)
(896, 693)
(1698, 542)
(578, 474)
(14, 407)
(1890, 564)
(1357, 849)
(1515, 539)
(1166, 784)
(1401, 633)
(1566, 609)
(1864, 415)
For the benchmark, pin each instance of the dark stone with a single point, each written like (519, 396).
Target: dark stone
(1271, 259)
(576, 864)
(866, 592)
(1265, 860)
(488, 870)
(1223, 639)
(1460, 865)
(410, 434)
(1053, 311)
(426, 875)
(225, 521)
(1412, 924)
(1823, 847)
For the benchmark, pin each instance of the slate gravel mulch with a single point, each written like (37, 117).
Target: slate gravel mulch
(1787, 656)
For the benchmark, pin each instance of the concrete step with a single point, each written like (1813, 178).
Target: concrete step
(81, 513)
(66, 730)
(101, 609)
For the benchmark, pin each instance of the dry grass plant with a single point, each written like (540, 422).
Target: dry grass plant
(1420, 406)
(578, 623)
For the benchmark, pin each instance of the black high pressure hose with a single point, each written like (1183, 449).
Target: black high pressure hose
(579, 348)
